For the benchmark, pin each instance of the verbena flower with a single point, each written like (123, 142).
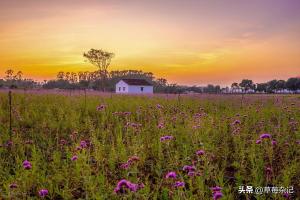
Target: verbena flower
(171, 175)
(258, 141)
(63, 142)
(188, 168)
(274, 142)
(27, 165)
(74, 158)
(265, 135)
(159, 106)
(286, 195)
(83, 144)
(167, 137)
(43, 192)
(101, 107)
(160, 125)
(129, 162)
(216, 189)
(13, 185)
(217, 195)
(125, 165)
(237, 122)
(127, 185)
(179, 184)
(9, 143)
(200, 152)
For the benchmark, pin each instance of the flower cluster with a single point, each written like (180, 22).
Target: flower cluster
(13, 186)
(173, 175)
(217, 194)
(101, 107)
(264, 136)
(83, 145)
(43, 192)
(133, 125)
(167, 137)
(129, 162)
(74, 158)
(27, 165)
(191, 170)
(125, 184)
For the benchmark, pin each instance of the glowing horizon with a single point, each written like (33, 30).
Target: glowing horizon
(187, 42)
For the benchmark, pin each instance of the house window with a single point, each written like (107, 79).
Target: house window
(119, 88)
(123, 88)
(142, 89)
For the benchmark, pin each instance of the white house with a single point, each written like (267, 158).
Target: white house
(134, 86)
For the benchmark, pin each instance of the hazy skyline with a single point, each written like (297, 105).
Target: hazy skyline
(186, 42)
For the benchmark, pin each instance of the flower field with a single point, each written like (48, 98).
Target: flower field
(65, 146)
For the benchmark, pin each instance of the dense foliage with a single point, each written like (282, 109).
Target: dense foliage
(105, 81)
(137, 147)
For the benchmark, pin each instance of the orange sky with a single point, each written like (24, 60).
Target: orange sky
(187, 42)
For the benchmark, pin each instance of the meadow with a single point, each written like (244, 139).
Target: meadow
(72, 146)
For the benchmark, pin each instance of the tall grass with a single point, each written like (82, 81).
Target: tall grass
(48, 130)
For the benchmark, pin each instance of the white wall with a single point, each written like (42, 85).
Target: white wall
(133, 89)
(136, 89)
(121, 85)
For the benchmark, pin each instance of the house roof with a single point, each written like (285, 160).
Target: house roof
(136, 82)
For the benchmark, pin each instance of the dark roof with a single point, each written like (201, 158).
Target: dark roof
(136, 81)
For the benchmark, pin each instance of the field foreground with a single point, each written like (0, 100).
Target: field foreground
(159, 147)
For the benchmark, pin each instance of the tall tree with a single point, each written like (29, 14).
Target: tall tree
(9, 74)
(18, 76)
(100, 59)
(293, 83)
(60, 75)
(247, 84)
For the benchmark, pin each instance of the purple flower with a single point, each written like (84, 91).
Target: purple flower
(27, 164)
(161, 125)
(13, 185)
(237, 122)
(133, 159)
(258, 141)
(268, 170)
(125, 165)
(286, 195)
(188, 168)
(9, 143)
(274, 142)
(74, 158)
(127, 184)
(101, 107)
(200, 152)
(171, 175)
(265, 135)
(159, 106)
(217, 195)
(63, 142)
(83, 144)
(167, 137)
(191, 173)
(179, 184)
(43, 192)
(216, 189)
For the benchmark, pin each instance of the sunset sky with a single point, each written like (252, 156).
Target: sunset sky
(192, 42)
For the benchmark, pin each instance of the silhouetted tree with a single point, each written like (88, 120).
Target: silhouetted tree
(101, 59)
(247, 84)
(293, 84)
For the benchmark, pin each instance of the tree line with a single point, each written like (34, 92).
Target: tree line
(95, 81)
